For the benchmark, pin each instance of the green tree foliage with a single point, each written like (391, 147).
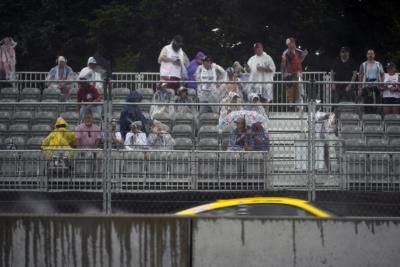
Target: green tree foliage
(131, 33)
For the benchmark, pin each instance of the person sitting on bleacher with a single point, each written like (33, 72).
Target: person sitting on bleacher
(87, 133)
(254, 99)
(163, 95)
(233, 98)
(87, 93)
(183, 98)
(61, 72)
(159, 137)
(61, 138)
(131, 113)
(239, 138)
(116, 136)
(259, 139)
(135, 139)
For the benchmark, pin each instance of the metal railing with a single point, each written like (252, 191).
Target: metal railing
(296, 160)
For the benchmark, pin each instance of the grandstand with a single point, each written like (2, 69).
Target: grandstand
(364, 155)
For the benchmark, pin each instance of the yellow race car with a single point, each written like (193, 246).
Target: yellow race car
(257, 206)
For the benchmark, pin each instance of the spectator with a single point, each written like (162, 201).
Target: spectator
(291, 66)
(61, 138)
(192, 67)
(370, 71)
(159, 138)
(209, 92)
(239, 71)
(163, 95)
(87, 93)
(116, 137)
(183, 98)
(254, 98)
(173, 62)
(61, 72)
(136, 139)
(239, 137)
(131, 113)
(87, 133)
(259, 138)
(91, 74)
(8, 57)
(262, 69)
(232, 87)
(344, 69)
(391, 90)
(225, 110)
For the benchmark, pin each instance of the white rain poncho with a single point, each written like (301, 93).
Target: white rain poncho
(159, 138)
(163, 95)
(260, 109)
(225, 110)
(8, 57)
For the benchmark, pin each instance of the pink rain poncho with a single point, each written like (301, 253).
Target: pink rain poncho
(7, 57)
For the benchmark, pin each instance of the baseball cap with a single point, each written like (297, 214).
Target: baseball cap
(344, 49)
(91, 60)
(290, 40)
(258, 45)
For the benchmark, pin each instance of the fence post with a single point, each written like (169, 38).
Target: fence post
(311, 151)
(107, 148)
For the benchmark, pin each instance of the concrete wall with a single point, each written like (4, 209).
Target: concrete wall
(162, 241)
(258, 242)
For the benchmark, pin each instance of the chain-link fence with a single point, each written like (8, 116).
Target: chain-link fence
(320, 151)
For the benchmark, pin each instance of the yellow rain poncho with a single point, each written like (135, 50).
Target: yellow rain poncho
(60, 138)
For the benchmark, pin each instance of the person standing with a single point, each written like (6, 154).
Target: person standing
(87, 93)
(292, 68)
(391, 90)
(192, 68)
(262, 69)
(8, 57)
(344, 69)
(370, 71)
(91, 73)
(173, 62)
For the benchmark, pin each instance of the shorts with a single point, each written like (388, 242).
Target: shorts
(390, 100)
(292, 89)
(172, 85)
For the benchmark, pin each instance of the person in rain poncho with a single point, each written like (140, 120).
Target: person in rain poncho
(232, 87)
(8, 57)
(135, 139)
(183, 98)
(192, 68)
(163, 95)
(91, 74)
(239, 138)
(116, 136)
(262, 70)
(259, 139)
(225, 110)
(61, 72)
(173, 62)
(131, 113)
(159, 138)
(87, 93)
(209, 92)
(254, 98)
(60, 138)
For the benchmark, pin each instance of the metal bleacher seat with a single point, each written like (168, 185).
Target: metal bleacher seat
(51, 93)
(394, 144)
(133, 165)
(147, 93)
(27, 104)
(183, 143)
(347, 107)
(30, 93)
(393, 132)
(19, 129)
(351, 132)
(208, 131)
(5, 116)
(50, 104)
(5, 104)
(3, 129)
(182, 131)
(33, 165)
(73, 94)
(391, 120)
(17, 141)
(41, 129)
(45, 117)
(10, 93)
(208, 144)
(354, 144)
(184, 118)
(34, 142)
(70, 117)
(347, 119)
(371, 120)
(209, 118)
(22, 117)
(120, 93)
(164, 118)
(373, 132)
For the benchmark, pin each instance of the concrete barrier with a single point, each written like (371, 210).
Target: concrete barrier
(93, 241)
(268, 242)
(170, 241)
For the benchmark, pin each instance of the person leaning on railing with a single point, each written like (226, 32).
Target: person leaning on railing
(61, 138)
(391, 90)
